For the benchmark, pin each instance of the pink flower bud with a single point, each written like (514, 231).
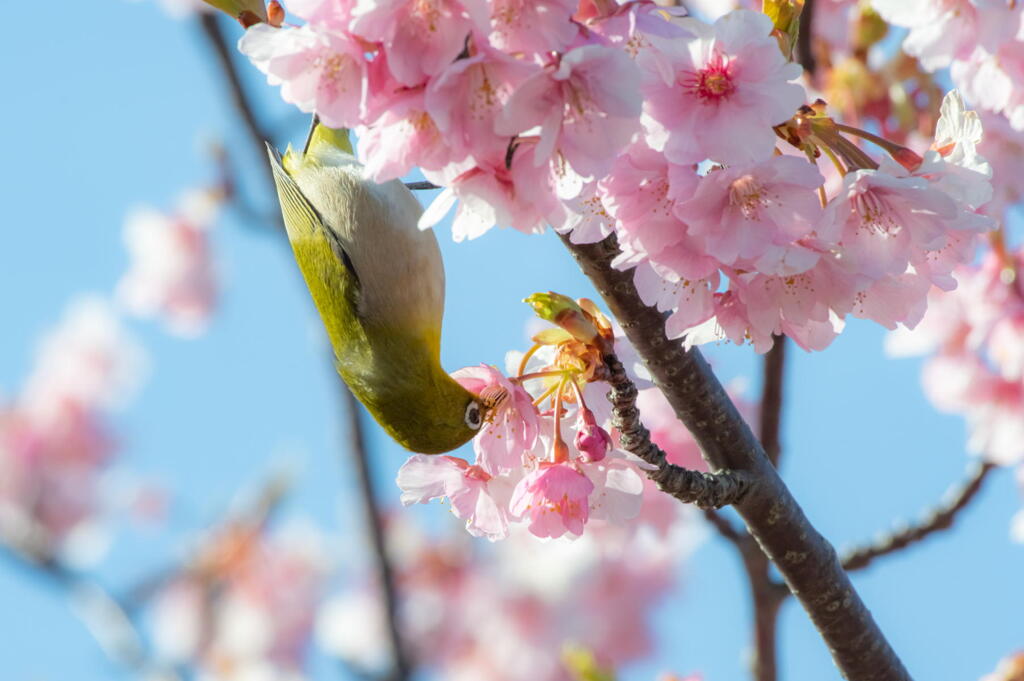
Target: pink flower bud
(592, 441)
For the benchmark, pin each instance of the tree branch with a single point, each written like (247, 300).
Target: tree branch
(401, 668)
(935, 520)
(107, 619)
(706, 490)
(770, 420)
(805, 559)
(209, 24)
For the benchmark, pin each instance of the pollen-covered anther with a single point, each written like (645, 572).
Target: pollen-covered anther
(714, 82)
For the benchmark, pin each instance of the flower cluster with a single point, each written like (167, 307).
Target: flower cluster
(526, 469)
(506, 612)
(547, 456)
(690, 141)
(245, 606)
(54, 442)
(171, 275)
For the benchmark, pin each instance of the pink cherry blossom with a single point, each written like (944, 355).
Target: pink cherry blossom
(420, 38)
(944, 30)
(553, 499)
(750, 216)
(586, 104)
(491, 193)
(466, 98)
(535, 26)
(885, 222)
(171, 275)
(725, 89)
(512, 426)
(476, 497)
(258, 619)
(319, 71)
(402, 138)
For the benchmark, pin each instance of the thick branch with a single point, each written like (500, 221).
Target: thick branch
(770, 420)
(805, 559)
(357, 448)
(935, 520)
(706, 490)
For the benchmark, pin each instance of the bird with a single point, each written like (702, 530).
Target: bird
(378, 282)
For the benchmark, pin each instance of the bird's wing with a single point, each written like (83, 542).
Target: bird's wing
(302, 220)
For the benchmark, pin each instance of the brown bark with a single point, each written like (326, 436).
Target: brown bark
(806, 560)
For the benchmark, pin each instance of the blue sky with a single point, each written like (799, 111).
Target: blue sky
(112, 104)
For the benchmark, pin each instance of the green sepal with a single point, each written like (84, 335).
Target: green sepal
(567, 314)
(785, 16)
(582, 665)
(236, 8)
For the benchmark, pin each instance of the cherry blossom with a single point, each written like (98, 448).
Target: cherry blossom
(171, 275)
(419, 38)
(554, 497)
(532, 25)
(319, 71)
(512, 424)
(586, 105)
(727, 87)
(750, 217)
(476, 496)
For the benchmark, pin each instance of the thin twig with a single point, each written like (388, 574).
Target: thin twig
(421, 186)
(107, 619)
(209, 23)
(771, 399)
(805, 559)
(706, 490)
(935, 520)
(357, 448)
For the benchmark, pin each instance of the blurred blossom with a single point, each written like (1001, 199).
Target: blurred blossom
(1009, 669)
(171, 275)
(244, 608)
(54, 440)
(88, 360)
(505, 612)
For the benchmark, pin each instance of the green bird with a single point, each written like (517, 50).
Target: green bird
(378, 282)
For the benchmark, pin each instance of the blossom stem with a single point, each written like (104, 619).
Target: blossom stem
(558, 448)
(545, 395)
(579, 392)
(526, 358)
(537, 374)
(889, 146)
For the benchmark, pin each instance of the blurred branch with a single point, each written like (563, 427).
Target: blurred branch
(771, 399)
(244, 107)
(209, 24)
(805, 40)
(766, 595)
(107, 620)
(806, 560)
(935, 520)
(375, 524)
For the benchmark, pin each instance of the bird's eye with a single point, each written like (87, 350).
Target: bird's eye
(473, 417)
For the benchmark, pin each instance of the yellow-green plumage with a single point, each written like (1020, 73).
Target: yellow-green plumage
(378, 283)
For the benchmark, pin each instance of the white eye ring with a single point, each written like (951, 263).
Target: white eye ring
(473, 419)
